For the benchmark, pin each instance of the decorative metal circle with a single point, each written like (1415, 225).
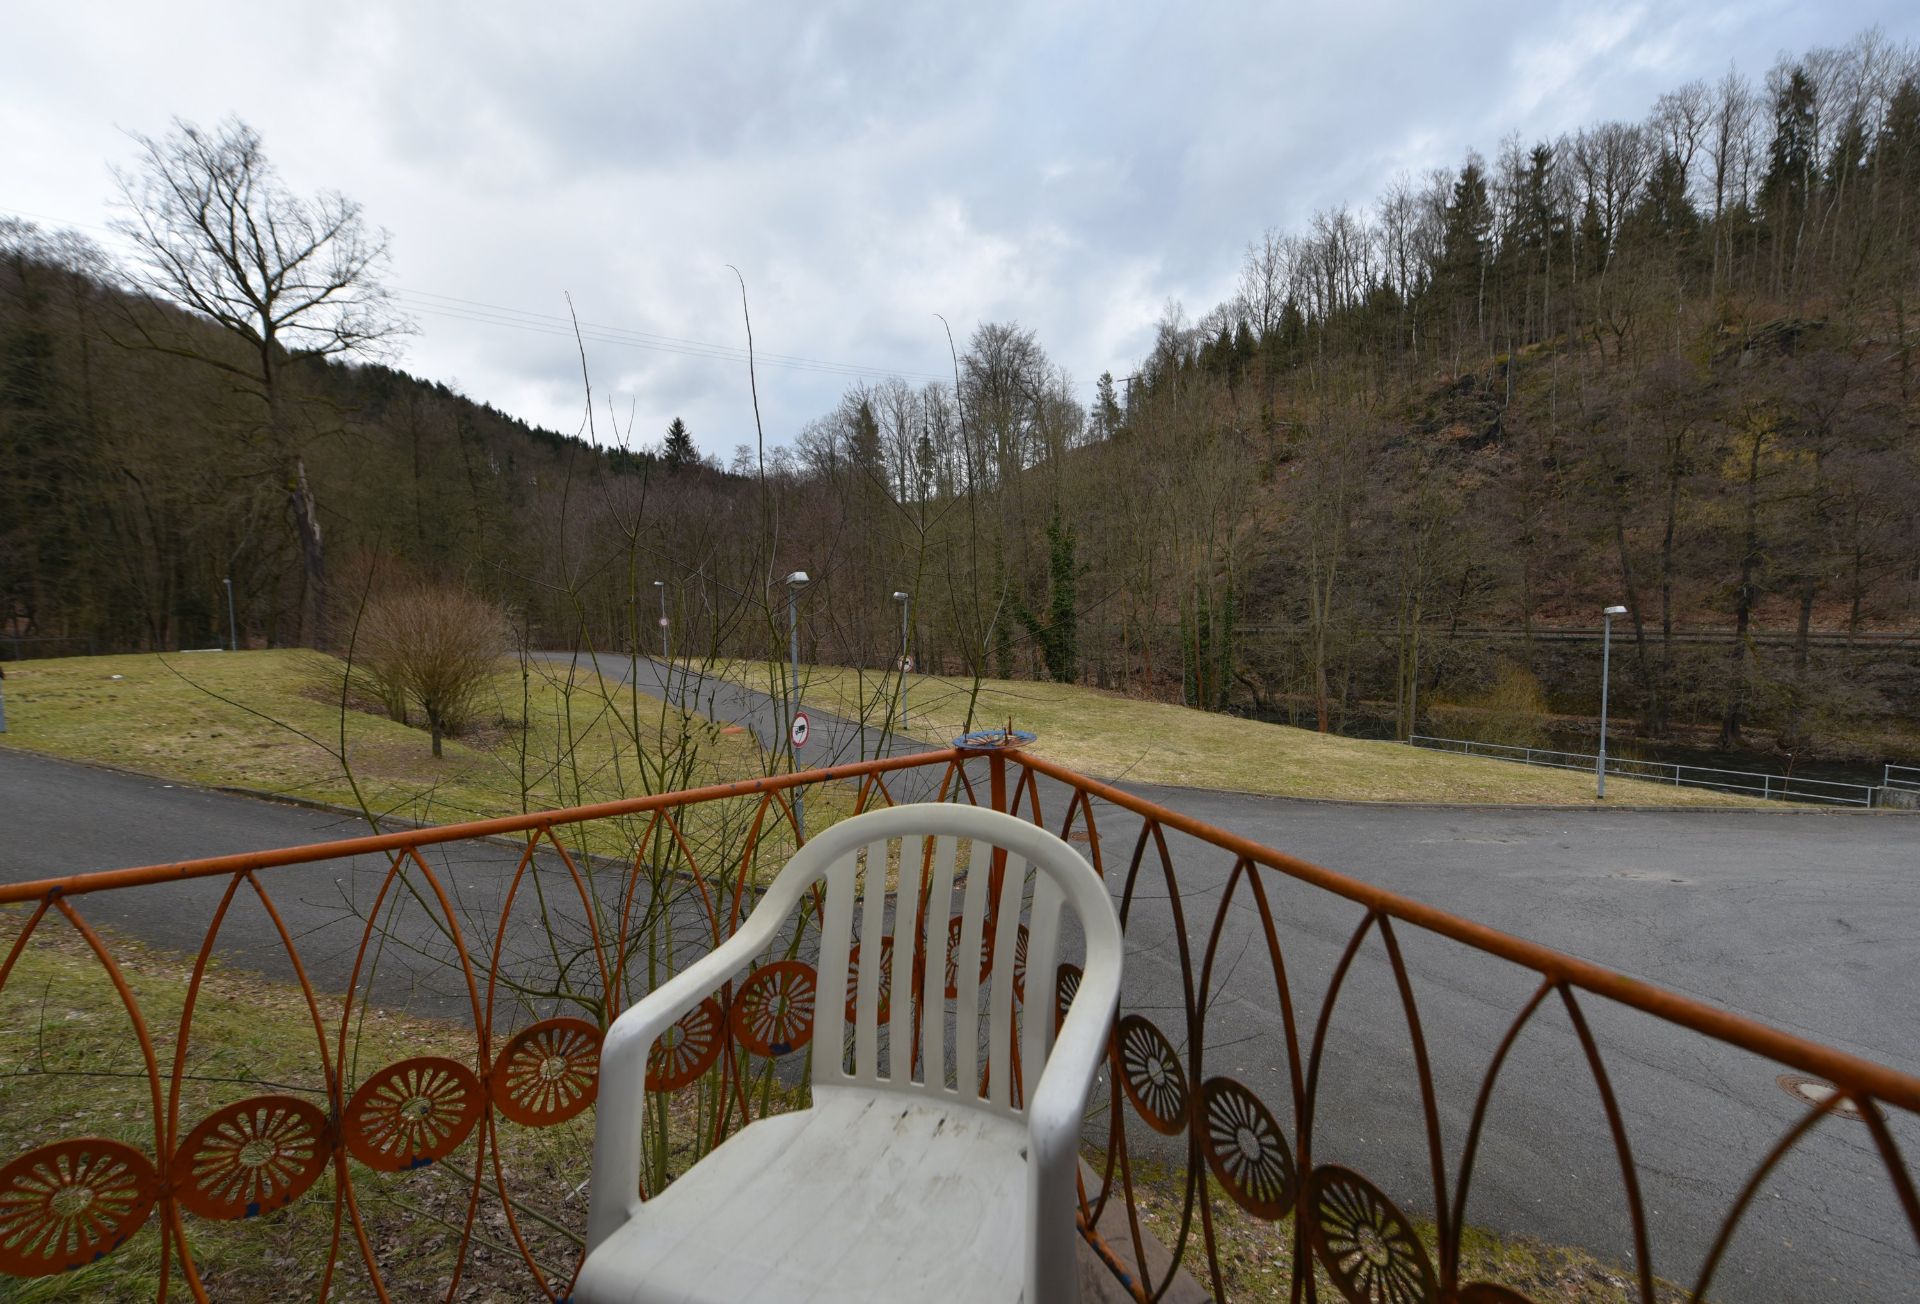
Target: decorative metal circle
(773, 1014)
(1245, 1149)
(953, 963)
(1019, 965)
(1151, 1074)
(687, 1049)
(251, 1157)
(64, 1205)
(409, 1114)
(1366, 1245)
(1066, 982)
(548, 1072)
(994, 740)
(886, 981)
(1487, 1292)
(987, 933)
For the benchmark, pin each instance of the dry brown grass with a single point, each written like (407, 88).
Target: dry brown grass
(1112, 736)
(551, 736)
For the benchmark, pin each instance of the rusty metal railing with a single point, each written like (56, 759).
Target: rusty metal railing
(1231, 1086)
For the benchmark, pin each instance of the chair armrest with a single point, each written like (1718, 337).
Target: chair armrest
(1055, 1116)
(614, 1184)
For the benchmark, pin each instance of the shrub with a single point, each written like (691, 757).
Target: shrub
(430, 647)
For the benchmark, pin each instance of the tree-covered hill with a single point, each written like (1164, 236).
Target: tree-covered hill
(1667, 364)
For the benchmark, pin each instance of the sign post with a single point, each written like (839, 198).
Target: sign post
(797, 736)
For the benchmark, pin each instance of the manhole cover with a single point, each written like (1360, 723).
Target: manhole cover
(1814, 1092)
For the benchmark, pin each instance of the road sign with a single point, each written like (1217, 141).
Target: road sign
(798, 733)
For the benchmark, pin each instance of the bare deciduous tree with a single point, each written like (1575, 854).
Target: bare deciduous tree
(287, 278)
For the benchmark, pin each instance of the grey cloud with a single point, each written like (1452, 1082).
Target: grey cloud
(865, 164)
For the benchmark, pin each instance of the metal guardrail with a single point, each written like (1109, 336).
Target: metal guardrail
(1906, 778)
(1783, 787)
(1234, 1077)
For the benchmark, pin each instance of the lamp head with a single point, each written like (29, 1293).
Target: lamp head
(659, 584)
(899, 596)
(1614, 611)
(797, 578)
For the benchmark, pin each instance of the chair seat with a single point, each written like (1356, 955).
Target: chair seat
(869, 1195)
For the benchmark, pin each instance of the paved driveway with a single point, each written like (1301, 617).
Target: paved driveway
(1809, 921)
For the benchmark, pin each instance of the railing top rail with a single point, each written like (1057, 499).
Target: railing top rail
(1810, 1057)
(307, 853)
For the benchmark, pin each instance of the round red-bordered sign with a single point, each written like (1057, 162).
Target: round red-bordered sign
(799, 730)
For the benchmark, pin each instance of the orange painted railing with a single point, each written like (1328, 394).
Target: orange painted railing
(1224, 1108)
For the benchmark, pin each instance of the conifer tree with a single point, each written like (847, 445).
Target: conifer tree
(678, 450)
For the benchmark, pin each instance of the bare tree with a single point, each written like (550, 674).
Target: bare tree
(285, 277)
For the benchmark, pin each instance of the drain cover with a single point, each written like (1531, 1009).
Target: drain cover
(1814, 1092)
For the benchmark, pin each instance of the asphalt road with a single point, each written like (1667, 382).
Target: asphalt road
(1809, 921)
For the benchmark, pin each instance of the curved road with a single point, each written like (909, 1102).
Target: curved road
(1807, 920)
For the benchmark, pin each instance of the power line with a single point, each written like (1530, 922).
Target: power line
(604, 335)
(651, 338)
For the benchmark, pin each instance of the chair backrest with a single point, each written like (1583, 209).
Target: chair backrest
(964, 1032)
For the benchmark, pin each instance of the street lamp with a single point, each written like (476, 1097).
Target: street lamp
(905, 600)
(795, 582)
(1606, 655)
(662, 586)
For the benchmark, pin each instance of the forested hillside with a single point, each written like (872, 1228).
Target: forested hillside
(138, 475)
(1665, 363)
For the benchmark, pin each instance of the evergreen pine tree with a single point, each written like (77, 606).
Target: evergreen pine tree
(1790, 152)
(1106, 408)
(678, 450)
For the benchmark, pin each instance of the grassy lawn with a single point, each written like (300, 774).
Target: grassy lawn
(1110, 736)
(279, 729)
(70, 1067)
(549, 737)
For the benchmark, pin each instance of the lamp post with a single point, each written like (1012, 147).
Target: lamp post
(661, 585)
(1606, 656)
(905, 600)
(233, 626)
(795, 582)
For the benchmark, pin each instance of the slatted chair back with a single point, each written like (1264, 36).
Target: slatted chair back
(997, 955)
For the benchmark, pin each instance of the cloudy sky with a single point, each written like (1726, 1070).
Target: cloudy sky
(1070, 166)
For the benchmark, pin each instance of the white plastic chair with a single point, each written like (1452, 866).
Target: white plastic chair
(889, 1187)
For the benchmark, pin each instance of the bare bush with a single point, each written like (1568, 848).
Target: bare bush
(430, 647)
